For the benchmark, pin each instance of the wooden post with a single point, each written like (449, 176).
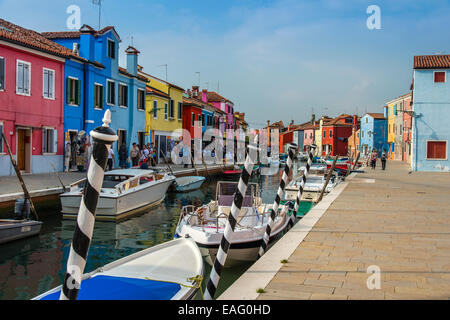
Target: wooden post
(19, 176)
(167, 162)
(328, 179)
(193, 164)
(206, 167)
(57, 175)
(356, 161)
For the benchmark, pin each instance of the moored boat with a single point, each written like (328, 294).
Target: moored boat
(206, 224)
(190, 183)
(11, 230)
(124, 192)
(151, 274)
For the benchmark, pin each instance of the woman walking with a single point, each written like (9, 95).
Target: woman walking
(374, 159)
(383, 159)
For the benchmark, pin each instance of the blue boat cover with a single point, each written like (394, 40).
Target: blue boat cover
(120, 288)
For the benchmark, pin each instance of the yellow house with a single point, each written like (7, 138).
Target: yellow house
(164, 114)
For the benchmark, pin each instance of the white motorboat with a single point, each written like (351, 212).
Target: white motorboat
(11, 230)
(124, 192)
(206, 224)
(189, 183)
(168, 271)
(314, 184)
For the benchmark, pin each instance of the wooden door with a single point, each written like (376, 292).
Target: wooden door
(21, 149)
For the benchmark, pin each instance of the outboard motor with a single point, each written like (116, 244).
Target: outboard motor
(22, 209)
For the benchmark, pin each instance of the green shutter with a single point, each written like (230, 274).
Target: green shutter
(102, 97)
(78, 96)
(68, 90)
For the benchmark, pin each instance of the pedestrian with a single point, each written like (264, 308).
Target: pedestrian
(383, 159)
(88, 153)
(134, 154)
(111, 159)
(123, 156)
(152, 152)
(144, 154)
(144, 164)
(374, 159)
(67, 156)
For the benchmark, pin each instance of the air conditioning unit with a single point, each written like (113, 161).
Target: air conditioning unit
(76, 49)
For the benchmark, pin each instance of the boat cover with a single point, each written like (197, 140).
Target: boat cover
(121, 288)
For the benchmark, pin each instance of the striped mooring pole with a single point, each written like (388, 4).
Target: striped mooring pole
(305, 175)
(225, 243)
(276, 204)
(103, 138)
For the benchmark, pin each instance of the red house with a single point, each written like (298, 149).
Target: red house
(335, 134)
(31, 99)
(192, 116)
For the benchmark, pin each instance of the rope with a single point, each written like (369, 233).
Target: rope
(198, 280)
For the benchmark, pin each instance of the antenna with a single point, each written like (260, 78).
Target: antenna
(218, 87)
(164, 65)
(99, 4)
(198, 79)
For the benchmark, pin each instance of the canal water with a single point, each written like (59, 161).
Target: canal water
(32, 266)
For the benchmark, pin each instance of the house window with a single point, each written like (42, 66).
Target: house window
(23, 78)
(73, 91)
(110, 92)
(111, 49)
(324, 134)
(362, 134)
(439, 76)
(2, 73)
(49, 84)
(199, 119)
(49, 140)
(310, 135)
(192, 119)
(180, 111)
(98, 96)
(155, 109)
(331, 133)
(166, 111)
(203, 120)
(437, 150)
(171, 111)
(123, 95)
(140, 99)
(122, 134)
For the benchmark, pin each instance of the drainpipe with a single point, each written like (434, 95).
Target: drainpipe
(86, 90)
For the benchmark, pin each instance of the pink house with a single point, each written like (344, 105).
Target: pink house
(31, 100)
(224, 105)
(309, 136)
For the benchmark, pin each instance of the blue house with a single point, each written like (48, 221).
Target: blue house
(102, 84)
(374, 133)
(431, 106)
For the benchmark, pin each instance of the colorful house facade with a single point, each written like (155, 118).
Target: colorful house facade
(31, 100)
(395, 110)
(335, 134)
(431, 103)
(374, 133)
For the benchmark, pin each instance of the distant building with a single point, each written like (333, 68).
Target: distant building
(374, 133)
(396, 110)
(335, 134)
(431, 106)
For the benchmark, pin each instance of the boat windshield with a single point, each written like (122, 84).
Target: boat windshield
(226, 190)
(110, 181)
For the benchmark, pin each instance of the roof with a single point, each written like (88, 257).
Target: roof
(215, 97)
(335, 121)
(148, 76)
(377, 115)
(76, 34)
(432, 61)
(407, 95)
(157, 92)
(126, 73)
(28, 38)
(278, 124)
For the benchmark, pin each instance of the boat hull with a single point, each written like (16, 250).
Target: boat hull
(11, 230)
(116, 208)
(194, 185)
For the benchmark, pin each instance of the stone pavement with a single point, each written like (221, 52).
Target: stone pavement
(393, 220)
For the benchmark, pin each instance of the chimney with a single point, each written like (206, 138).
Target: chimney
(189, 93)
(76, 48)
(195, 91)
(313, 118)
(87, 42)
(205, 95)
(268, 123)
(132, 60)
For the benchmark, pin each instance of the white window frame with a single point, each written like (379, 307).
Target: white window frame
(29, 78)
(166, 111)
(107, 92)
(4, 76)
(153, 110)
(436, 159)
(95, 88)
(128, 93)
(55, 142)
(445, 76)
(43, 81)
(71, 104)
(137, 102)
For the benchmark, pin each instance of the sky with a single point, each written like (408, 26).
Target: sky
(276, 60)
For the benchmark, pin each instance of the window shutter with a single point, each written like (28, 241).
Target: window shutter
(78, 92)
(102, 97)
(2, 74)
(95, 95)
(55, 141)
(44, 140)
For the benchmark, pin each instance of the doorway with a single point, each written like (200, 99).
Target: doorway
(23, 151)
(73, 149)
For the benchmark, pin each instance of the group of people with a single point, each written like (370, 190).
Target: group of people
(78, 153)
(373, 159)
(142, 158)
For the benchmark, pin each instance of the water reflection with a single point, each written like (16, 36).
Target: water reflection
(32, 266)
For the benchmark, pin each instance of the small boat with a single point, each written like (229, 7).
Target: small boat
(302, 156)
(206, 224)
(11, 229)
(190, 183)
(124, 192)
(236, 171)
(168, 271)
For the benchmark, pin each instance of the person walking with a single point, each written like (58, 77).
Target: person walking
(374, 159)
(144, 154)
(134, 155)
(111, 159)
(383, 159)
(123, 156)
(67, 156)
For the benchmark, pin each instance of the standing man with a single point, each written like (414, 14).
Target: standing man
(111, 159)
(134, 155)
(67, 156)
(383, 159)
